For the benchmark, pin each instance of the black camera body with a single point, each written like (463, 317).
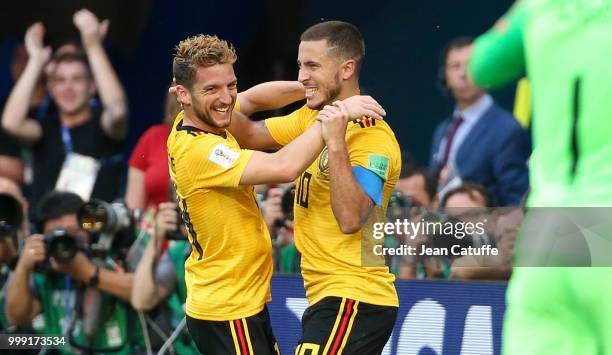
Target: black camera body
(287, 202)
(403, 207)
(61, 246)
(177, 234)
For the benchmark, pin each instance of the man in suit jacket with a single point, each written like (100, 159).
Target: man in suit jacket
(487, 145)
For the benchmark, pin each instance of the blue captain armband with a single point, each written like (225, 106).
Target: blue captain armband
(371, 183)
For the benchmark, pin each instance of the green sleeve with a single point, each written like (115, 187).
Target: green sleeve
(499, 54)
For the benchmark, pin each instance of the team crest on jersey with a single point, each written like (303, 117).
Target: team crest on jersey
(324, 163)
(223, 156)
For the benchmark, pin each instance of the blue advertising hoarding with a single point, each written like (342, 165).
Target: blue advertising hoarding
(435, 317)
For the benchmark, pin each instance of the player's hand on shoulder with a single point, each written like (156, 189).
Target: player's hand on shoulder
(362, 105)
(334, 120)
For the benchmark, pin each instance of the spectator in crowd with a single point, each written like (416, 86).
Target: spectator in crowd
(417, 184)
(148, 181)
(159, 279)
(466, 198)
(481, 142)
(415, 194)
(78, 148)
(280, 224)
(11, 164)
(12, 209)
(417, 191)
(502, 225)
(63, 295)
(467, 195)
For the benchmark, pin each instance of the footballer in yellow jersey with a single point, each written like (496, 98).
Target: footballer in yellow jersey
(230, 261)
(228, 272)
(353, 301)
(352, 304)
(331, 259)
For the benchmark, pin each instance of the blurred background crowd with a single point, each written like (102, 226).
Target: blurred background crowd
(86, 112)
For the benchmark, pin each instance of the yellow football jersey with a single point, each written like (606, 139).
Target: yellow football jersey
(333, 263)
(228, 272)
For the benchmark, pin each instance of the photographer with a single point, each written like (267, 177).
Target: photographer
(12, 221)
(163, 283)
(277, 210)
(78, 297)
(415, 192)
(470, 199)
(12, 226)
(416, 184)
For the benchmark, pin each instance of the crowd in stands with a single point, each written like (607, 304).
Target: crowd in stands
(63, 143)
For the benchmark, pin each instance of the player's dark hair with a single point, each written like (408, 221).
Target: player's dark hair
(344, 37)
(455, 43)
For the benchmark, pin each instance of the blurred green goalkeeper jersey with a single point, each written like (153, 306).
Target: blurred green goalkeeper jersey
(565, 48)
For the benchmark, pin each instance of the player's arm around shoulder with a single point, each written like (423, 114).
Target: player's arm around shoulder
(263, 97)
(271, 134)
(301, 149)
(286, 164)
(251, 134)
(270, 95)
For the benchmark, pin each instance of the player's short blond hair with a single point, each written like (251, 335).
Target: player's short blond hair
(200, 51)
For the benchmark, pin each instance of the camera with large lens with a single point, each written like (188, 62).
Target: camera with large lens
(401, 206)
(11, 217)
(61, 245)
(111, 225)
